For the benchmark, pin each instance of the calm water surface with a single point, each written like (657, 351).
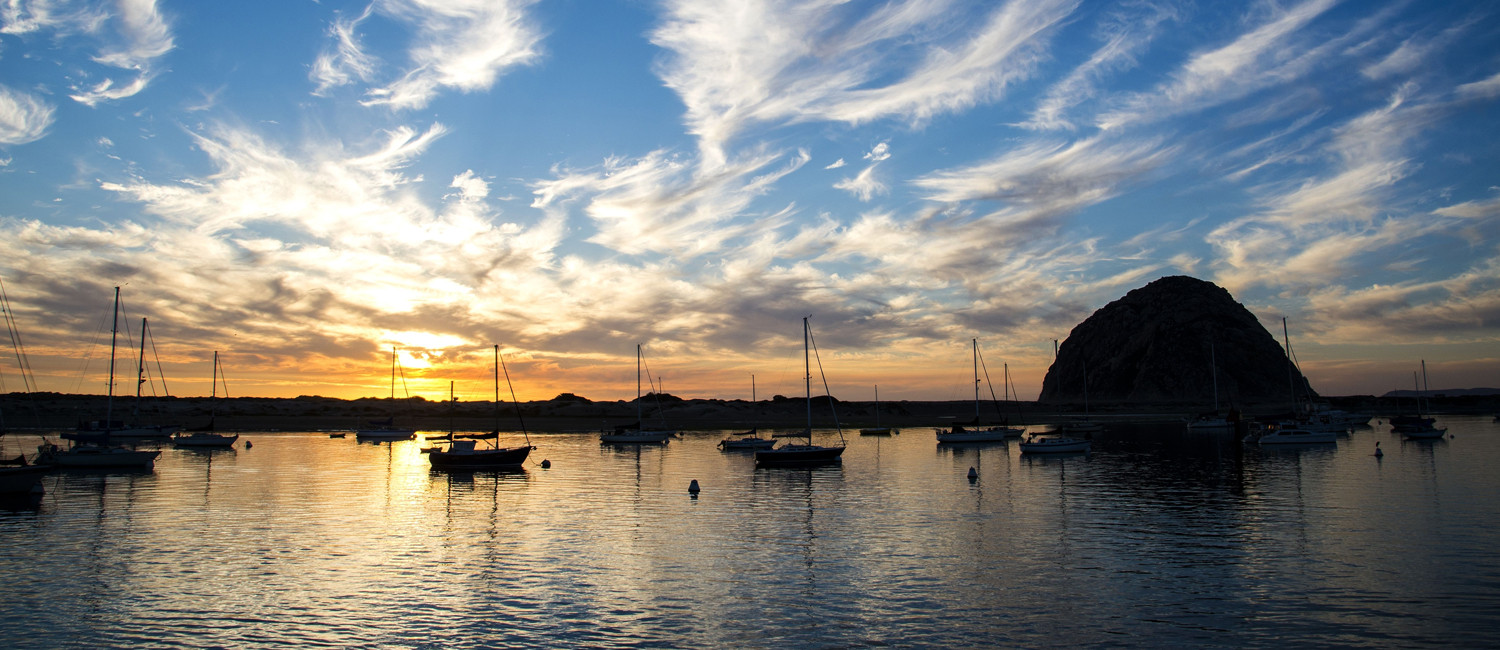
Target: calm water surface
(1157, 537)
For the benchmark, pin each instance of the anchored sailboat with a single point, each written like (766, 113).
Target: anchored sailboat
(205, 436)
(792, 454)
(386, 429)
(465, 453)
(636, 433)
(994, 433)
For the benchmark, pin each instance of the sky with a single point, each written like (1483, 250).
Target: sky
(305, 186)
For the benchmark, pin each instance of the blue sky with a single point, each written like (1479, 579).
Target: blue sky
(302, 185)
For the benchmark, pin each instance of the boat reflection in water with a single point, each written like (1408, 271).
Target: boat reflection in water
(1157, 537)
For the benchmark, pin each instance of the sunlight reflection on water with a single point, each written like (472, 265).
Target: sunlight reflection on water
(1158, 536)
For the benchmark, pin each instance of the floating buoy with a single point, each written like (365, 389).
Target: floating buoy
(693, 487)
(248, 445)
(973, 475)
(546, 463)
(1378, 452)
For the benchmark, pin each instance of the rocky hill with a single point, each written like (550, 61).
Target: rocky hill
(1156, 343)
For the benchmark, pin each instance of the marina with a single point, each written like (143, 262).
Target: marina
(1158, 536)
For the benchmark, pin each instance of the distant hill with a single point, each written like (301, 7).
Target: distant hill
(1167, 342)
(1447, 392)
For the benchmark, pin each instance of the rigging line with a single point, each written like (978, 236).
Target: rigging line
(987, 382)
(824, 376)
(146, 334)
(402, 371)
(655, 393)
(28, 377)
(512, 401)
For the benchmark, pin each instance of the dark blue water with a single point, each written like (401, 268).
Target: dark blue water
(1157, 537)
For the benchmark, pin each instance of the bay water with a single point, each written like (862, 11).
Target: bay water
(1157, 537)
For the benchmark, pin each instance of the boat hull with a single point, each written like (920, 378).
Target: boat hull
(1424, 433)
(1297, 437)
(1056, 446)
(993, 434)
(504, 458)
(386, 434)
(877, 431)
(21, 480)
(636, 437)
(747, 443)
(94, 456)
(798, 456)
(205, 440)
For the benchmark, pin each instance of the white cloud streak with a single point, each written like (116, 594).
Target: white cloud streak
(782, 62)
(24, 117)
(464, 45)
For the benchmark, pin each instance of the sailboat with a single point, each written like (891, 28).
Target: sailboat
(994, 433)
(793, 454)
(1213, 422)
(1085, 425)
(1293, 432)
(386, 429)
(464, 453)
(877, 430)
(748, 439)
(94, 430)
(636, 433)
(1420, 427)
(205, 436)
(97, 450)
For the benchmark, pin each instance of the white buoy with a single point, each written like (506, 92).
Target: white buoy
(973, 474)
(693, 487)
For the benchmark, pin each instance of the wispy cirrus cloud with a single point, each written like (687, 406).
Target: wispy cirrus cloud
(663, 203)
(131, 34)
(464, 45)
(1268, 55)
(783, 62)
(1125, 35)
(24, 117)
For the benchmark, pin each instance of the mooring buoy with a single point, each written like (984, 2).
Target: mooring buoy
(973, 475)
(693, 487)
(546, 463)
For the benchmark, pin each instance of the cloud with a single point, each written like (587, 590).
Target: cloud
(346, 61)
(1125, 34)
(836, 164)
(881, 152)
(661, 203)
(785, 62)
(863, 186)
(1042, 180)
(463, 45)
(140, 36)
(1263, 57)
(24, 117)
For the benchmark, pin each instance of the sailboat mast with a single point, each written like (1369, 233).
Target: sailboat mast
(877, 405)
(140, 372)
(1213, 368)
(1291, 382)
(975, 343)
(639, 419)
(114, 332)
(501, 362)
(807, 379)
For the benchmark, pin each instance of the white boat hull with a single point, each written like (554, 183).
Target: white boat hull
(386, 434)
(1297, 437)
(1055, 445)
(96, 456)
(636, 437)
(992, 434)
(205, 440)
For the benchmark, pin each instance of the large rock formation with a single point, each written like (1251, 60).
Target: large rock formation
(1153, 345)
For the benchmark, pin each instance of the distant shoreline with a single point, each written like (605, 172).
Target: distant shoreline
(52, 411)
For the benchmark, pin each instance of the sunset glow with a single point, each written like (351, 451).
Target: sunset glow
(303, 185)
